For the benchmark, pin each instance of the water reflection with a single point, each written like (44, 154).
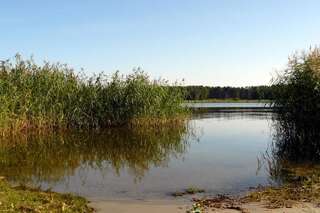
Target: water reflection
(296, 140)
(216, 151)
(233, 114)
(294, 151)
(52, 157)
(284, 173)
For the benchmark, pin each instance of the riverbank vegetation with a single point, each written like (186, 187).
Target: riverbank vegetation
(25, 199)
(293, 160)
(53, 96)
(297, 101)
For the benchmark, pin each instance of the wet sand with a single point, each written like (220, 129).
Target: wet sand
(168, 206)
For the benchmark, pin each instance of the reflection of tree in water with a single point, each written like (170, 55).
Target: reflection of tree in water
(55, 156)
(258, 114)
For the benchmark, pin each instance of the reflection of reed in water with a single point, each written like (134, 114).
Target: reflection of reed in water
(297, 141)
(51, 157)
(294, 146)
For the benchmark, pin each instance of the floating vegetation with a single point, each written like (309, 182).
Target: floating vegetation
(188, 191)
(53, 96)
(25, 199)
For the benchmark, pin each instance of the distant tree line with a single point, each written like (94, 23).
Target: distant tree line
(206, 92)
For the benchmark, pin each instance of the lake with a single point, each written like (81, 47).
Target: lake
(226, 105)
(215, 151)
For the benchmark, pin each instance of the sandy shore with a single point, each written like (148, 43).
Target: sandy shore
(167, 206)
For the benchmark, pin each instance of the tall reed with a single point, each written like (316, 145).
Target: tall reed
(53, 96)
(297, 101)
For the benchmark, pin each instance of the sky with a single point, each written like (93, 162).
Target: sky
(204, 42)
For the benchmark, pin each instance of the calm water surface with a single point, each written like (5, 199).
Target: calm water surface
(228, 105)
(214, 151)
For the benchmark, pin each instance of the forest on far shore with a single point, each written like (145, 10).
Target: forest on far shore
(246, 93)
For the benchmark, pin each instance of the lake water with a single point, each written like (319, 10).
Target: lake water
(216, 151)
(228, 105)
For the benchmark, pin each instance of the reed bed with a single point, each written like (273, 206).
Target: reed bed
(54, 96)
(297, 103)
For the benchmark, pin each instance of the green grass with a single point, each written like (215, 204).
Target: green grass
(24, 199)
(53, 96)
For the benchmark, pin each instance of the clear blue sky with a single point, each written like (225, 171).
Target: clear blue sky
(210, 42)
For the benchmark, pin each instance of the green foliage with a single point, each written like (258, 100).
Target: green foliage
(54, 96)
(297, 98)
(24, 199)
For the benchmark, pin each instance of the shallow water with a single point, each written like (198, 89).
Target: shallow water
(216, 151)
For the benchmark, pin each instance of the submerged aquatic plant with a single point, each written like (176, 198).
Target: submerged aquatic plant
(188, 191)
(54, 96)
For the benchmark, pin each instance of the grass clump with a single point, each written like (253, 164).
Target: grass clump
(53, 96)
(24, 199)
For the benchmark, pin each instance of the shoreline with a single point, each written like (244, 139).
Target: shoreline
(171, 206)
(26, 198)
